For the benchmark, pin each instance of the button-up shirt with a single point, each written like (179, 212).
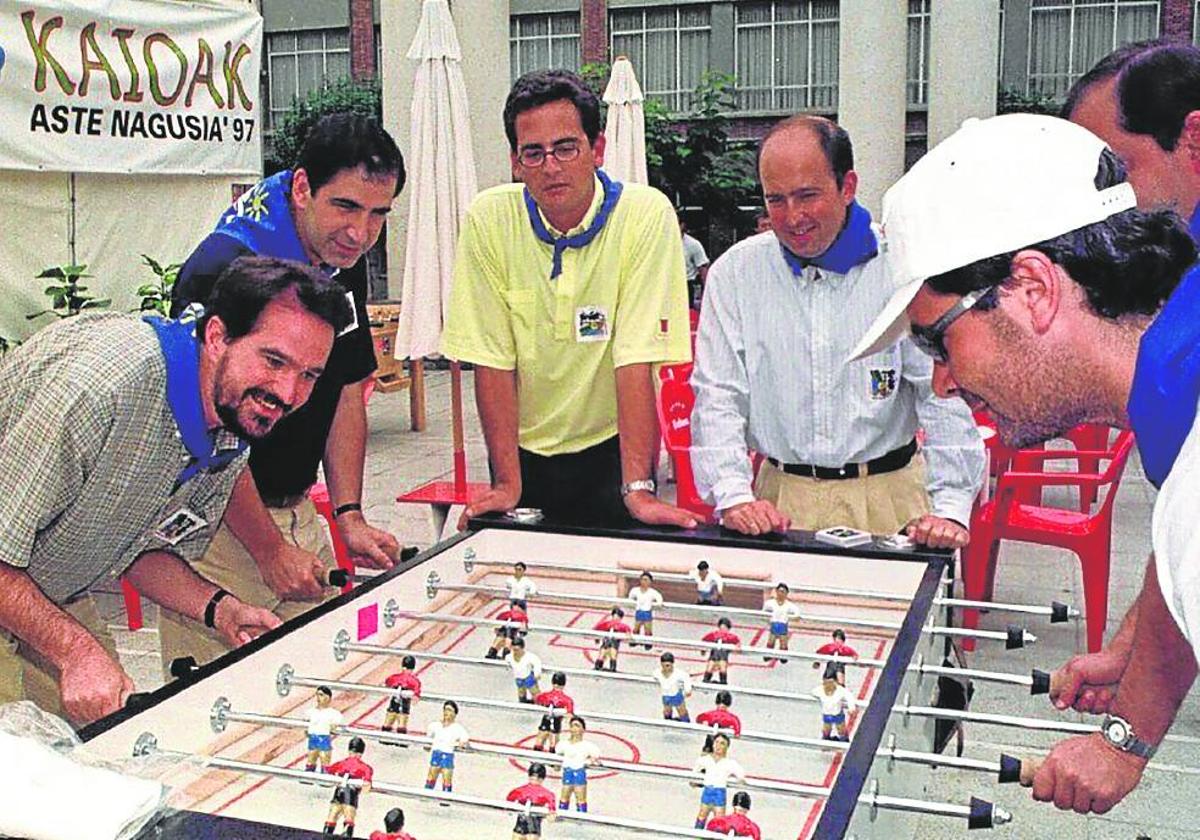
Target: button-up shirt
(771, 374)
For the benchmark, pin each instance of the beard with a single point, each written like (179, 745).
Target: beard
(243, 420)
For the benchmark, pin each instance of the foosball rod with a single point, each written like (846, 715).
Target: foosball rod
(1057, 611)
(1015, 637)
(1004, 768)
(223, 712)
(343, 644)
(1038, 682)
(147, 744)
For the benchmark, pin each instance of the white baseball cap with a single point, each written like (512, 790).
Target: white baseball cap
(994, 186)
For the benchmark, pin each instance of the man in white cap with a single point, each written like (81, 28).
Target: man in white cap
(1031, 278)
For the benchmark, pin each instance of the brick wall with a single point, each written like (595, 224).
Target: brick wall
(594, 26)
(362, 40)
(1177, 23)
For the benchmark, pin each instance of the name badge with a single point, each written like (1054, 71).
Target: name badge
(591, 324)
(178, 526)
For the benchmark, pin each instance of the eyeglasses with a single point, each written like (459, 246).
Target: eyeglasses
(930, 340)
(534, 156)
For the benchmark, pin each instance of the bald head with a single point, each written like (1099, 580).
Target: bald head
(831, 139)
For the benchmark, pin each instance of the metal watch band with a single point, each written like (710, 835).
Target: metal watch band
(646, 484)
(1132, 744)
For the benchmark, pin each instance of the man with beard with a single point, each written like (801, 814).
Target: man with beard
(327, 212)
(120, 440)
(1032, 280)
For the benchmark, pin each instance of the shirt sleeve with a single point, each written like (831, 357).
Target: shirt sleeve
(479, 317)
(722, 386)
(651, 323)
(1175, 532)
(953, 449)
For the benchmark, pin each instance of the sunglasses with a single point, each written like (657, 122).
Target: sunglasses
(930, 340)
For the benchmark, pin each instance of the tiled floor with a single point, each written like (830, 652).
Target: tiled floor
(1165, 807)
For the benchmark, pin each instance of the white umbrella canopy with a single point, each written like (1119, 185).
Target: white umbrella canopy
(441, 166)
(442, 170)
(625, 127)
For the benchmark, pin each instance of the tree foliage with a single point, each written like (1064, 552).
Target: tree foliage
(363, 97)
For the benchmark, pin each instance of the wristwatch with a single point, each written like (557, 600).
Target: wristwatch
(1117, 731)
(646, 484)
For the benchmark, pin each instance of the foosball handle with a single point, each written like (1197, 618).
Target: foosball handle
(1041, 682)
(409, 553)
(338, 577)
(182, 666)
(1029, 768)
(1015, 637)
(1010, 769)
(1059, 612)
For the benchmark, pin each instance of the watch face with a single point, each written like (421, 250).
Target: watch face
(1116, 731)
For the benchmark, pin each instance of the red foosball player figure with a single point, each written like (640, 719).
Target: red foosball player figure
(534, 794)
(558, 705)
(837, 647)
(408, 691)
(393, 827)
(737, 823)
(720, 718)
(718, 657)
(505, 636)
(345, 796)
(610, 645)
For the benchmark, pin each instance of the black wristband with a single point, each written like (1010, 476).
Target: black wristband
(347, 508)
(210, 611)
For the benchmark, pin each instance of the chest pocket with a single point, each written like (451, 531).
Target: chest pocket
(882, 374)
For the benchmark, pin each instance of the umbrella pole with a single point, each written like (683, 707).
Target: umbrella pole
(456, 411)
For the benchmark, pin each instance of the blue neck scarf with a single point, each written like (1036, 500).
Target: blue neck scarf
(1166, 381)
(262, 220)
(177, 340)
(612, 192)
(855, 245)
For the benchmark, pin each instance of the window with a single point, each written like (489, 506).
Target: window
(543, 42)
(1066, 37)
(668, 47)
(918, 52)
(786, 55)
(300, 62)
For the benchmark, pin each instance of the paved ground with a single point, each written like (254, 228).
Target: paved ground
(1165, 807)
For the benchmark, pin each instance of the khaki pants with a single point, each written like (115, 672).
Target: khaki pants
(227, 564)
(880, 504)
(26, 676)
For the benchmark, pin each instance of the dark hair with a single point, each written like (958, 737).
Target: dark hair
(702, 565)
(346, 140)
(1126, 264)
(537, 770)
(357, 745)
(1158, 85)
(724, 698)
(541, 87)
(409, 662)
(450, 704)
(741, 799)
(393, 820)
(724, 622)
(575, 718)
(559, 678)
(833, 139)
(618, 612)
(518, 642)
(723, 736)
(326, 690)
(249, 283)
(645, 575)
(667, 657)
(783, 586)
(839, 634)
(520, 565)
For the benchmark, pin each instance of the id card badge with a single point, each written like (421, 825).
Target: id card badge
(178, 526)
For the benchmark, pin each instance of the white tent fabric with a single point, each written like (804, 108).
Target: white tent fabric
(441, 167)
(625, 127)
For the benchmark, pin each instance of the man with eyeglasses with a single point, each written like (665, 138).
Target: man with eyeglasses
(568, 286)
(781, 312)
(1032, 279)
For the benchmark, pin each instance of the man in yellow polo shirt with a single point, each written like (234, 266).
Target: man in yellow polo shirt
(567, 288)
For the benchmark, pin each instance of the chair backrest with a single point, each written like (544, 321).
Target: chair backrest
(1118, 457)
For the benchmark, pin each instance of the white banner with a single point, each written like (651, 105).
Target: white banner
(128, 86)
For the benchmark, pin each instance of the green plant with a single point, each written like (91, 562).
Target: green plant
(292, 128)
(156, 296)
(68, 296)
(1013, 101)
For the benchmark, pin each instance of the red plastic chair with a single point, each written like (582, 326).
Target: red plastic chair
(675, 402)
(681, 371)
(1088, 535)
